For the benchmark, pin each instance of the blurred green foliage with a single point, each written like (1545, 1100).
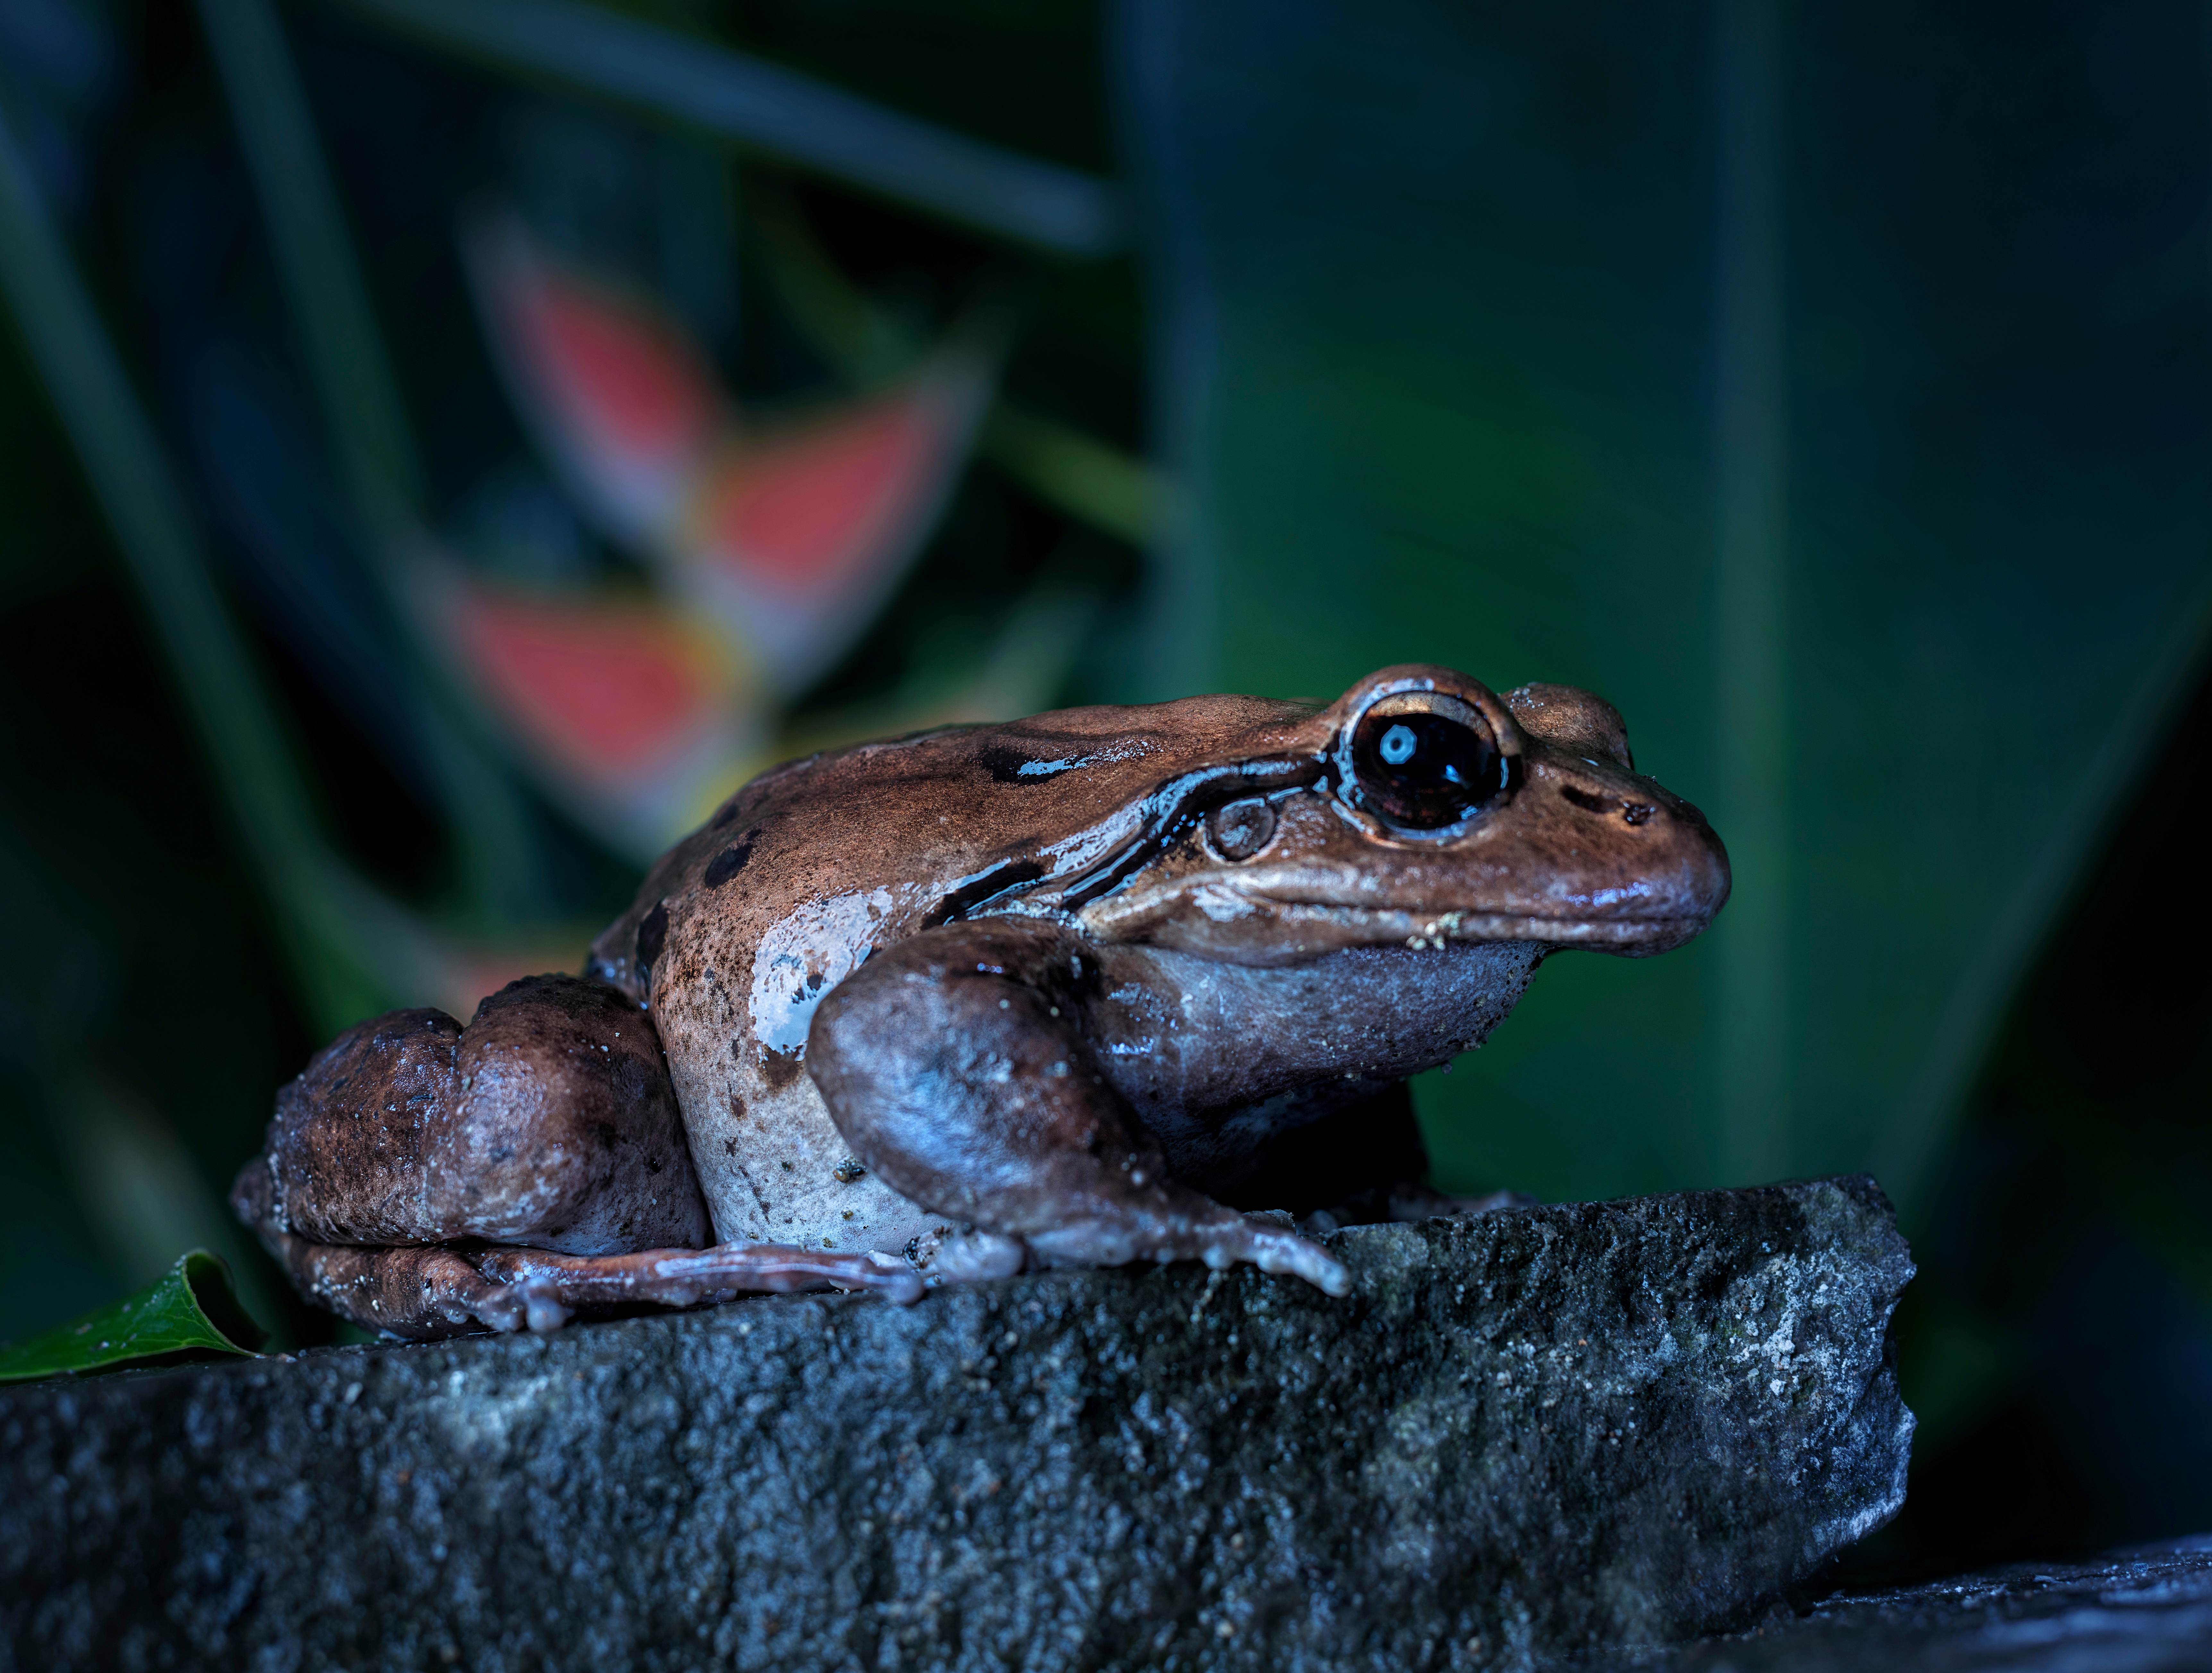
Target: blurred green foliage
(1533, 343)
(230, 248)
(1829, 387)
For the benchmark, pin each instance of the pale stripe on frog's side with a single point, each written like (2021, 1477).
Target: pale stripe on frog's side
(767, 1151)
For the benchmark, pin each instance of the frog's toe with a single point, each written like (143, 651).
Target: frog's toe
(495, 1306)
(1273, 1249)
(897, 1280)
(973, 1257)
(541, 1308)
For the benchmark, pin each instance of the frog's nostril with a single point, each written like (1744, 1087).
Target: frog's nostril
(1631, 813)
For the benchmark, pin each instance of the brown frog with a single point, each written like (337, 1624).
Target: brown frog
(1059, 993)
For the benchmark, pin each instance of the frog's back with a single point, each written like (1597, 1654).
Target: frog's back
(742, 927)
(933, 820)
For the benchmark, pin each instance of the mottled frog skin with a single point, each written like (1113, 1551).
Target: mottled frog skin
(1054, 992)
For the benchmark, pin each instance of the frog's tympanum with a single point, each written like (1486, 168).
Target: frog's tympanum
(1077, 990)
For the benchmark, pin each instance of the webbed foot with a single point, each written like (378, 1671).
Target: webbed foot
(1109, 1234)
(1180, 1224)
(970, 1255)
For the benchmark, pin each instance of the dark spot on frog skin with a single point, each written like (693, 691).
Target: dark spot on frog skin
(996, 879)
(1634, 813)
(780, 1068)
(1009, 765)
(652, 937)
(730, 861)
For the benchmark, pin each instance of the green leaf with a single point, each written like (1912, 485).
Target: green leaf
(189, 1311)
(702, 84)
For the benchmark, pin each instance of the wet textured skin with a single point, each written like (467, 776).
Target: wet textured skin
(1052, 982)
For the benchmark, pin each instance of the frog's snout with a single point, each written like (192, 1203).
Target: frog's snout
(1706, 880)
(1640, 867)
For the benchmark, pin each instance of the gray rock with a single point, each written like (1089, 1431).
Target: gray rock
(2148, 1611)
(1540, 1430)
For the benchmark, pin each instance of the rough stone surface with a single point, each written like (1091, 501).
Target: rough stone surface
(1541, 1429)
(2144, 1611)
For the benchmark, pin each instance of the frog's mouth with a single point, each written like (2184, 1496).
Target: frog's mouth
(1248, 926)
(1630, 933)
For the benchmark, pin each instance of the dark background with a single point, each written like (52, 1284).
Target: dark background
(1828, 385)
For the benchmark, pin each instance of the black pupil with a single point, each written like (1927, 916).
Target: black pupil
(1424, 771)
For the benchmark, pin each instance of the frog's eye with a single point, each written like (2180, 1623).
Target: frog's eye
(1423, 760)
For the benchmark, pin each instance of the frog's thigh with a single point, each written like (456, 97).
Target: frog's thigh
(547, 1122)
(953, 1063)
(546, 1129)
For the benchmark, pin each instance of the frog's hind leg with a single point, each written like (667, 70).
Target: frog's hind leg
(421, 1177)
(421, 1292)
(951, 1063)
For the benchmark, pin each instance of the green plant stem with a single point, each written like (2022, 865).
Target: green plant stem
(327, 914)
(1751, 600)
(322, 280)
(1910, 1141)
(1072, 471)
(365, 417)
(704, 85)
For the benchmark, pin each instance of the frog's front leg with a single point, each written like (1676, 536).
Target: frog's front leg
(421, 1177)
(954, 1064)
